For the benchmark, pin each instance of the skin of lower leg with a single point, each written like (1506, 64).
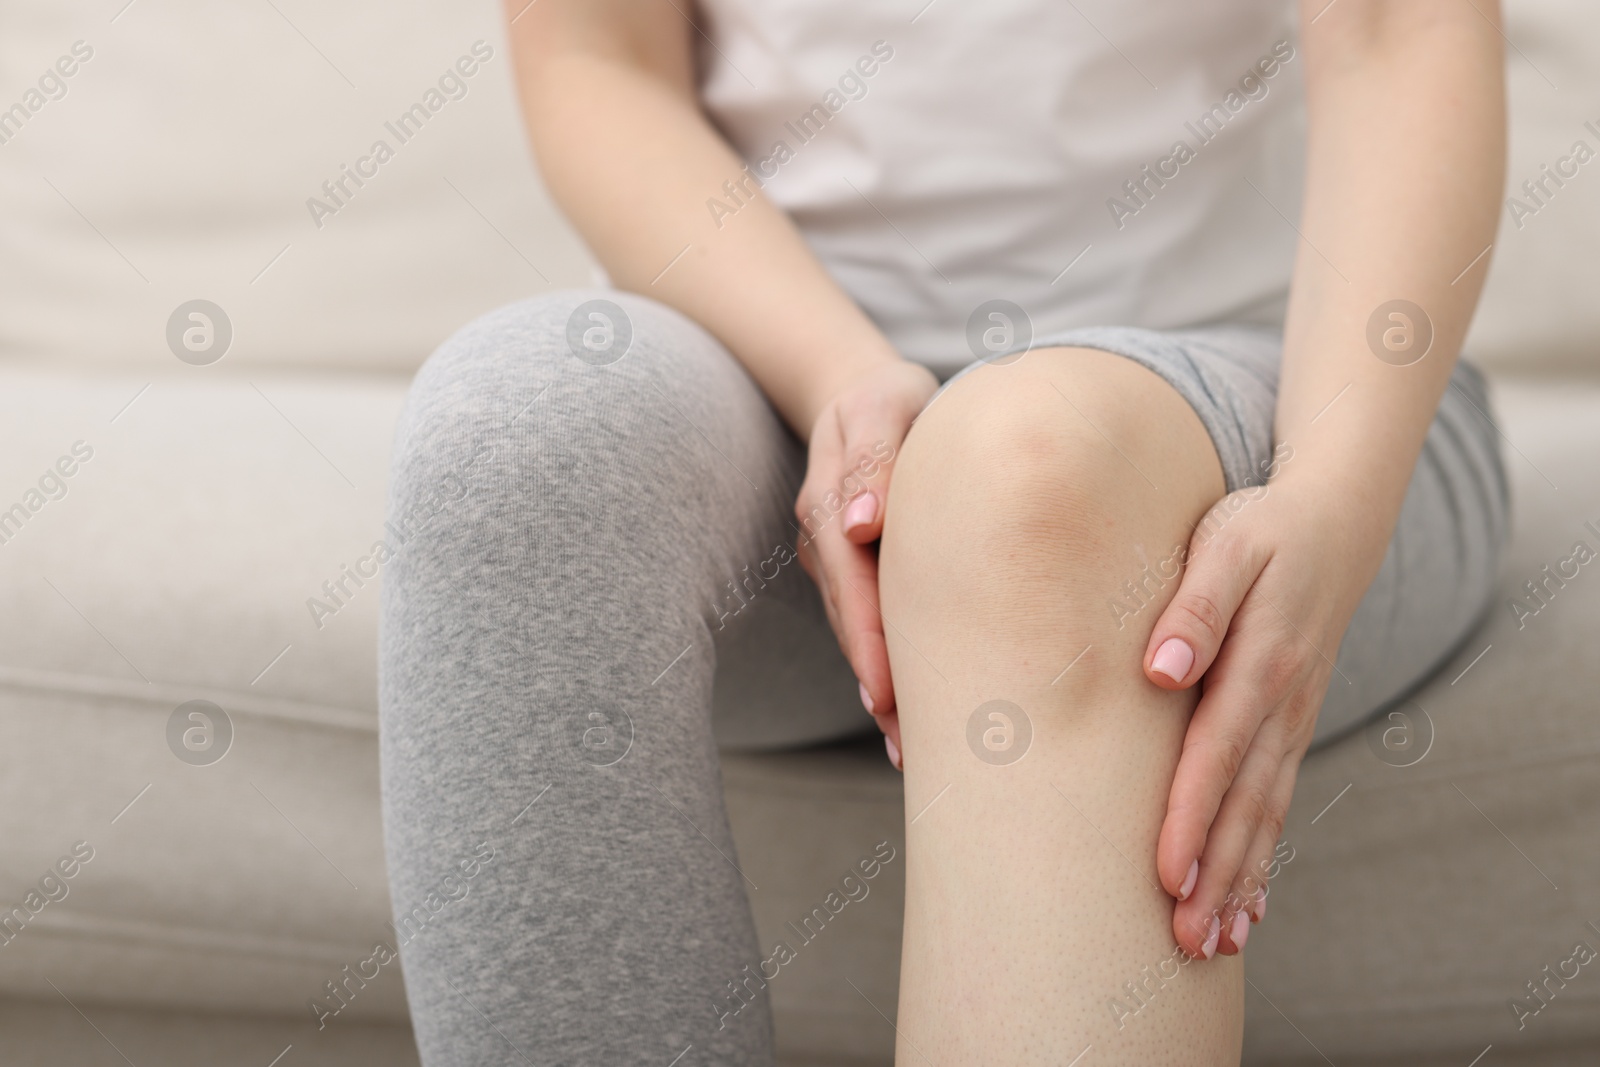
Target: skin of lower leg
(1021, 501)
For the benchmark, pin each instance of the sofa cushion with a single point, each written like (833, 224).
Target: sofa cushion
(1538, 313)
(174, 563)
(182, 158)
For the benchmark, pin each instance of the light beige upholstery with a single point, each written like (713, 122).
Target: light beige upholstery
(218, 499)
(180, 162)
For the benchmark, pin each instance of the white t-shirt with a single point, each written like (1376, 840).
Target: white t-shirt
(1095, 162)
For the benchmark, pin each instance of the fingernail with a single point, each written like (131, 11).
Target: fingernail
(862, 510)
(1173, 658)
(866, 698)
(1240, 930)
(894, 752)
(1189, 880)
(1209, 949)
(1260, 908)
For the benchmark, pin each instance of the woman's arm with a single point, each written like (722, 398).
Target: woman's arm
(1404, 172)
(609, 96)
(608, 91)
(1405, 166)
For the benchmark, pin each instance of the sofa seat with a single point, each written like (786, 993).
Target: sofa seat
(178, 566)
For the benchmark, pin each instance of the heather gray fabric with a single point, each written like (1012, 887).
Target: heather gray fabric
(589, 583)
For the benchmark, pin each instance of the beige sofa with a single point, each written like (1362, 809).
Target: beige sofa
(175, 562)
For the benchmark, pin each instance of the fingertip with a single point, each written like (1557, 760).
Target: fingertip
(860, 515)
(1191, 934)
(1239, 931)
(1189, 880)
(889, 724)
(1173, 846)
(1213, 935)
(1235, 931)
(866, 697)
(1172, 662)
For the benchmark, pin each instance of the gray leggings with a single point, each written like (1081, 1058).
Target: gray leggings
(581, 549)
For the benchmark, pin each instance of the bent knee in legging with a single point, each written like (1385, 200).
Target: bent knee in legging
(589, 381)
(580, 415)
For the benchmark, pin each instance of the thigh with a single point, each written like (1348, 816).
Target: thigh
(1437, 575)
(641, 429)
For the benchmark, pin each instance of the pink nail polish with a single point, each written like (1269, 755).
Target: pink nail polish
(1240, 930)
(1209, 949)
(1173, 658)
(894, 752)
(866, 698)
(1259, 908)
(862, 510)
(1189, 880)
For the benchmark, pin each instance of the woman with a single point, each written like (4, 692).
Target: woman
(1213, 451)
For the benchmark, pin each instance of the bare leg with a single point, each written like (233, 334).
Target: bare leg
(1023, 499)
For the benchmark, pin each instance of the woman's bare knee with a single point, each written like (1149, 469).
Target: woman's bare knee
(1038, 756)
(1032, 496)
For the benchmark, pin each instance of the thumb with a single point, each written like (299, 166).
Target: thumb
(869, 451)
(1190, 631)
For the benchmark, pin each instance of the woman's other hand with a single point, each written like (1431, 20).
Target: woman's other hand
(1272, 579)
(853, 445)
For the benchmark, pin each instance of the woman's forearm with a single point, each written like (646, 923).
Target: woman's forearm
(632, 161)
(1405, 167)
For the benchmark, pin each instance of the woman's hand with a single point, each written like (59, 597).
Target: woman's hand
(1272, 578)
(854, 442)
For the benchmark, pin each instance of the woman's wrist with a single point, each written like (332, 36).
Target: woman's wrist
(1353, 518)
(847, 373)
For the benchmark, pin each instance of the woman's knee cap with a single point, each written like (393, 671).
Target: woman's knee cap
(1003, 464)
